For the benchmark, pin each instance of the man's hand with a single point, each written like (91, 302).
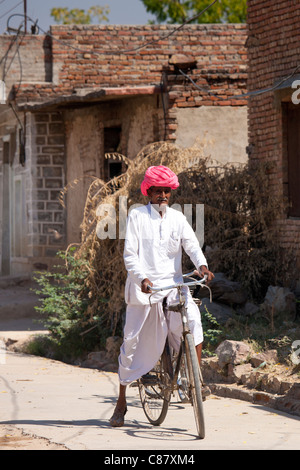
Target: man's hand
(145, 286)
(202, 271)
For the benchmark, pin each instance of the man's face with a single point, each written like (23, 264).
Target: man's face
(159, 195)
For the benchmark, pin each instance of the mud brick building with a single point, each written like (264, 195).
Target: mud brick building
(274, 116)
(83, 91)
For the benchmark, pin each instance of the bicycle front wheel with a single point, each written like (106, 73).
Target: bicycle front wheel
(155, 391)
(195, 383)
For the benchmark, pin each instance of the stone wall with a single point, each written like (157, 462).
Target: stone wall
(47, 180)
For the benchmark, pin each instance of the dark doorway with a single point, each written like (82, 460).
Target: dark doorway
(292, 132)
(112, 140)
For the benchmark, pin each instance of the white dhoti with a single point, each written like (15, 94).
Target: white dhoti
(145, 332)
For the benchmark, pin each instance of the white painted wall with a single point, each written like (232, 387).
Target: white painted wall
(223, 128)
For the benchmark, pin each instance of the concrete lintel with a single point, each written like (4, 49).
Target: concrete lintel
(82, 96)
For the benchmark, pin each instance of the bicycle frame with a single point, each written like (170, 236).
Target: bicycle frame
(155, 390)
(179, 307)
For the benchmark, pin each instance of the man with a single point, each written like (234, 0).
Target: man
(155, 236)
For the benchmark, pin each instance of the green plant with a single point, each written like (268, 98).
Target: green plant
(80, 16)
(66, 306)
(212, 332)
(178, 11)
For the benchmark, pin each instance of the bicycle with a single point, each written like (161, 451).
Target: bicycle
(157, 387)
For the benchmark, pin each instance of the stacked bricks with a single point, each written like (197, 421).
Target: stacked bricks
(26, 58)
(97, 57)
(114, 55)
(273, 54)
(48, 181)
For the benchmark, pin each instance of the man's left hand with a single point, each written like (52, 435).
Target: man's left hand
(203, 271)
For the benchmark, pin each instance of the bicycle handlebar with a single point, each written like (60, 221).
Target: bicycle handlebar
(189, 284)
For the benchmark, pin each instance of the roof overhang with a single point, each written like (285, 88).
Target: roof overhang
(87, 96)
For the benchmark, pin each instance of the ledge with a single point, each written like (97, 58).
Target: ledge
(82, 96)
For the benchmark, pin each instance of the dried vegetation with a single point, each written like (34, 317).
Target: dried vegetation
(239, 209)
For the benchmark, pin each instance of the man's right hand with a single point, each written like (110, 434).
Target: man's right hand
(145, 286)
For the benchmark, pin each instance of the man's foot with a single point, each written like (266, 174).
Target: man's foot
(117, 418)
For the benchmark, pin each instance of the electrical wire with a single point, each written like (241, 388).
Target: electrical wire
(125, 51)
(142, 46)
(27, 18)
(17, 51)
(243, 95)
(2, 16)
(21, 71)
(4, 59)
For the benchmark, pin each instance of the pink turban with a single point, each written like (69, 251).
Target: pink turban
(159, 176)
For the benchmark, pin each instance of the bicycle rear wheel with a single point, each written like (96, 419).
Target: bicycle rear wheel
(195, 381)
(155, 390)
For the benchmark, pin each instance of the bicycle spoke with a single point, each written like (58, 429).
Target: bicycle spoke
(155, 397)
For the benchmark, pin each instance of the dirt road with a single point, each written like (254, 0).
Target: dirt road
(12, 438)
(68, 407)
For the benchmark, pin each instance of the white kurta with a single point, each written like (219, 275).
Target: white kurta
(153, 250)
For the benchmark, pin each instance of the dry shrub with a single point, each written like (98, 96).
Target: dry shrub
(239, 216)
(241, 236)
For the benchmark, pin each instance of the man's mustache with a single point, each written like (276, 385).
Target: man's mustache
(162, 199)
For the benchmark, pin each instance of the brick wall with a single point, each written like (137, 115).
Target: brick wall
(112, 57)
(273, 54)
(219, 49)
(109, 59)
(48, 179)
(25, 59)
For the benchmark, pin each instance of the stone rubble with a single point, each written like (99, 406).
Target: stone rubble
(238, 372)
(105, 360)
(229, 298)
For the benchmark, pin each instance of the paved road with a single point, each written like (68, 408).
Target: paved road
(71, 406)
